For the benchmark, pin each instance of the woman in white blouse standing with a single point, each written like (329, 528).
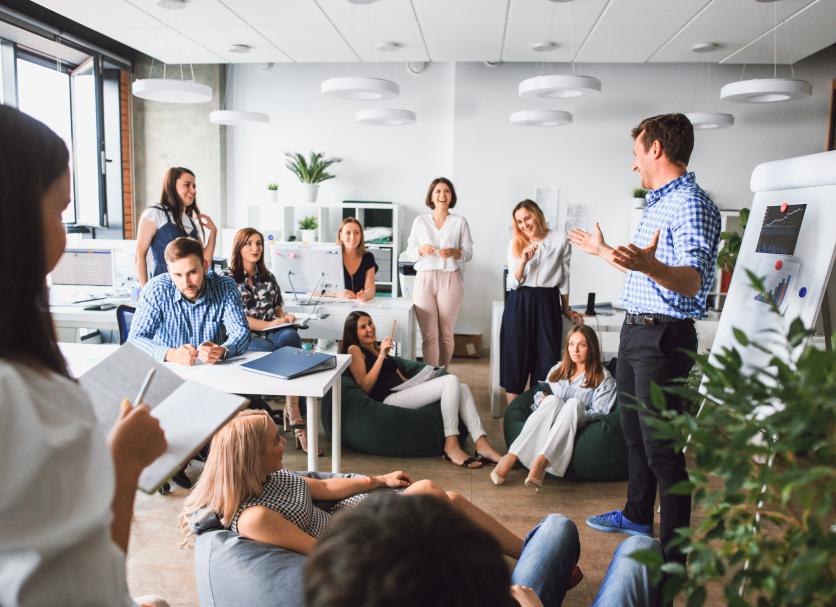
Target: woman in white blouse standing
(538, 278)
(442, 243)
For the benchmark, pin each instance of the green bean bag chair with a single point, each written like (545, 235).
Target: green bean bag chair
(600, 453)
(369, 426)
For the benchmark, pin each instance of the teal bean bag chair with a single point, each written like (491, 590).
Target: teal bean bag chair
(369, 426)
(600, 453)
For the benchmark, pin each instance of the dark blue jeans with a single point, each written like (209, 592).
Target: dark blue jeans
(275, 340)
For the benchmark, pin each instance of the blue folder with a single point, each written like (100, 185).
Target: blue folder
(290, 362)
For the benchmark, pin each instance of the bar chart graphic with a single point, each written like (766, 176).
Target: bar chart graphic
(779, 284)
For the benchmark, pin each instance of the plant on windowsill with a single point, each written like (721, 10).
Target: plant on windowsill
(764, 479)
(307, 229)
(639, 200)
(311, 171)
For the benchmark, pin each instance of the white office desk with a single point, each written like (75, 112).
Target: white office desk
(230, 377)
(383, 310)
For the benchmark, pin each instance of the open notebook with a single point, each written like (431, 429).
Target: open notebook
(189, 413)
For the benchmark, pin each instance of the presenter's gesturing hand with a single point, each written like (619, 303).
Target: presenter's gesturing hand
(592, 243)
(636, 258)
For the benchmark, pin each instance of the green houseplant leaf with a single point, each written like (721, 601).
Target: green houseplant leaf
(310, 170)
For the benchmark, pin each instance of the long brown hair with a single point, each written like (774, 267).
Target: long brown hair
(350, 331)
(346, 221)
(236, 262)
(170, 200)
(234, 470)
(521, 241)
(32, 158)
(594, 370)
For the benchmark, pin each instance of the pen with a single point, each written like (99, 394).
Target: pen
(144, 387)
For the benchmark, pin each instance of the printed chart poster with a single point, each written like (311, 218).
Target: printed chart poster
(780, 284)
(780, 230)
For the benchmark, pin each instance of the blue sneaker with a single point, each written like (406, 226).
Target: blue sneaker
(616, 522)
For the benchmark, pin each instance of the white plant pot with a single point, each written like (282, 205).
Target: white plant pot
(310, 190)
(308, 236)
(274, 195)
(639, 203)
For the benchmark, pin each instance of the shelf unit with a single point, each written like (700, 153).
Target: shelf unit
(279, 220)
(729, 220)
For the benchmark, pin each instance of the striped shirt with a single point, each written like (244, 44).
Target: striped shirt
(689, 225)
(165, 319)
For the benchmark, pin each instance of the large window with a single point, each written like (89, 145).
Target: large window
(82, 104)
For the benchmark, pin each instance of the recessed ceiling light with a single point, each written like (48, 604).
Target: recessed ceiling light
(704, 121)
(766, 90)
(543, 47)
(385, 117)
(705, 47)
(558, 86)
(541, 118)
(387, 47)
(239, 48)
(364, 89)
(172, 4)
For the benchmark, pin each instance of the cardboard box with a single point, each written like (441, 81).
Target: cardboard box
(467, 346)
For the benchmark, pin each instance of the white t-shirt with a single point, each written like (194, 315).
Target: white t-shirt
(160, 218)
(56, 488)
(455, 233)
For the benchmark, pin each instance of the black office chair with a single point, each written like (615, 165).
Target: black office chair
(124, 316)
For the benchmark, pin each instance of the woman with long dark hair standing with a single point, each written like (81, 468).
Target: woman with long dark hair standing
(442, 244)
(176, 215)
(67, 500)
(538, 276)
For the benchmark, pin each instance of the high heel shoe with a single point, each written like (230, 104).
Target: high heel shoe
(294, 420)
(537, 483)
(496, 479)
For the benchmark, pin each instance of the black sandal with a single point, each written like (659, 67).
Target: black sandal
(465, 464)
(484, 459)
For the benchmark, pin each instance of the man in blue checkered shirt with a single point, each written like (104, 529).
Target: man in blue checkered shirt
(670, 268)
(181, 313)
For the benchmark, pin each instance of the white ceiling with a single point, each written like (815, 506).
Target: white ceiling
(592, 31)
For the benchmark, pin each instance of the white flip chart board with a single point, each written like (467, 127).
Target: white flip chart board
(790, 241)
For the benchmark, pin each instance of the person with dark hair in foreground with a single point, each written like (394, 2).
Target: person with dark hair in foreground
(414, 551)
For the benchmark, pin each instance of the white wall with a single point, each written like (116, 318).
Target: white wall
(463, 133)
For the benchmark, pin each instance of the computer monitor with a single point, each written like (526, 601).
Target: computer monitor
(307, 268)
(85, 267)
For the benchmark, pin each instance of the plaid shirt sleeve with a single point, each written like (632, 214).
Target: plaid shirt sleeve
(237, 330)
(147, 322)
(695, 233)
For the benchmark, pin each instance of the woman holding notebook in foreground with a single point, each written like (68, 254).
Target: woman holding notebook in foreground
(378, 376)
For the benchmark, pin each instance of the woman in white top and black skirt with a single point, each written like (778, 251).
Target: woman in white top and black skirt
(538, 276)
(441, 242)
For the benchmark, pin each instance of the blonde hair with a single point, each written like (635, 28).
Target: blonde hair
(234, 470)
(521, 241)
(362, 248)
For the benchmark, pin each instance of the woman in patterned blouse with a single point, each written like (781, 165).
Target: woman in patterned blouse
(245, 483)
(262, 301)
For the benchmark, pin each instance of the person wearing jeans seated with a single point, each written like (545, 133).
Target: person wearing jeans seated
(417, 550)
(244, 481)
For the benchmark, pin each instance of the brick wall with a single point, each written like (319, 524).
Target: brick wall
(128, 228)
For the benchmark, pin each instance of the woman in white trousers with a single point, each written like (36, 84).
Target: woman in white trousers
(442, 244)
(581, 391)
(377, 375)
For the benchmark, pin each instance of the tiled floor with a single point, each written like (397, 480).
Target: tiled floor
(157, 564)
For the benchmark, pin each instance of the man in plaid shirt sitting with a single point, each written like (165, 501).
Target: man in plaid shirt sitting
(670, 268)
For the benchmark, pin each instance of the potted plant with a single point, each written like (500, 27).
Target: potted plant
(273, 188)
(307, 229)
(730, 248)
(763, 476)
(311, 171)
(639, 200)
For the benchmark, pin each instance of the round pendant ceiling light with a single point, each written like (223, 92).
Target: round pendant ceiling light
(364, 89)
(558, 86)
(168, 90)
(704, 121)
(541, 118)
(237, 118)
(766, 90)
(385, 117)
